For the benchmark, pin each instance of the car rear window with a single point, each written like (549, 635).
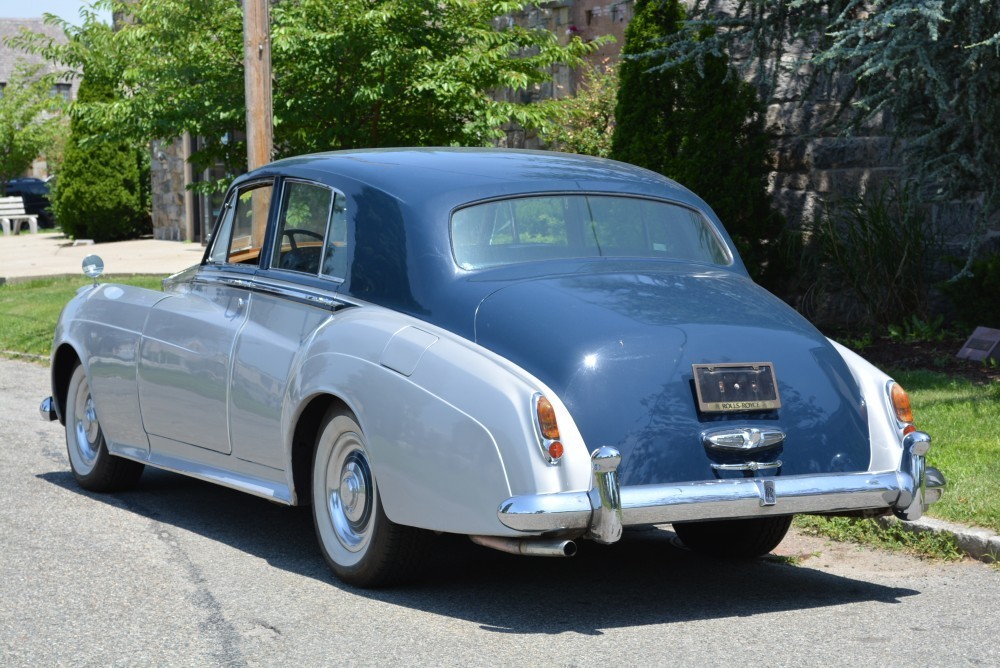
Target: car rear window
(548, 227)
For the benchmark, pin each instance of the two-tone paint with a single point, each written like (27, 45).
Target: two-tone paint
(223, 374)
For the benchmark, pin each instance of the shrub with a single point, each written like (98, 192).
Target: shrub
(101, 193)
(881, 246)
(703, 127)
(976, 297)
(585, 123)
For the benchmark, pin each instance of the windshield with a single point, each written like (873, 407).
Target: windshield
(531, 229)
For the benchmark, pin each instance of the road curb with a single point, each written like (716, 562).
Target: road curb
(981, 544)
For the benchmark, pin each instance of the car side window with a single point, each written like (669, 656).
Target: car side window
(240, 234)
(302, 227)
(335, 256)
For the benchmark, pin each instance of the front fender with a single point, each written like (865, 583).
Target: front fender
(103, 325)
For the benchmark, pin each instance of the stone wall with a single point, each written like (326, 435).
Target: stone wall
(167, 169)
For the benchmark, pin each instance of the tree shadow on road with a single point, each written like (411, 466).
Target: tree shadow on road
(646, 578)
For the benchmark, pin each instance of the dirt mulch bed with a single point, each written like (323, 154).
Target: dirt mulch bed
(931, 355)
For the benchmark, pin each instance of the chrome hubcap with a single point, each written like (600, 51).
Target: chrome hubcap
(350, 493)
(86, 428)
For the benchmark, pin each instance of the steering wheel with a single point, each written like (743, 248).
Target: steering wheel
(292, 231)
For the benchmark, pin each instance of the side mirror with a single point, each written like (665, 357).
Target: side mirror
(93, 266)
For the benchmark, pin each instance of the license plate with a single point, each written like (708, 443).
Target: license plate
(736, 388)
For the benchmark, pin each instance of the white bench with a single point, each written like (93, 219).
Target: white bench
(12, 216)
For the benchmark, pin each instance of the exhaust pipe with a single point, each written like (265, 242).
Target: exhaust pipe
(539, 547)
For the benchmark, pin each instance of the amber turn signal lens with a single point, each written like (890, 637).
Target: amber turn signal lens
(901, 403)
(555, 450)
(547, 420)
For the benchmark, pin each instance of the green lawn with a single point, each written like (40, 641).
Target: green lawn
(963, 418)
(29, 309)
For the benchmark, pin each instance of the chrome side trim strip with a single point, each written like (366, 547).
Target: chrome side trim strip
(298, 293)
(309, 297)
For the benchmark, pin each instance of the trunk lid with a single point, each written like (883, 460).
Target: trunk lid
(617, 344)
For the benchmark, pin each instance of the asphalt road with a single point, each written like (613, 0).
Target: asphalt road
(180, 572)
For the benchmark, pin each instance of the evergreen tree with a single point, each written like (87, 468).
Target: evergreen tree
(100, 193)
(702, 126)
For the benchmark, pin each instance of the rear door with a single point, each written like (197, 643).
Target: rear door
(292, 298)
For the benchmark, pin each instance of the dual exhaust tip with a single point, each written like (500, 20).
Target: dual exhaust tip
(537, 547)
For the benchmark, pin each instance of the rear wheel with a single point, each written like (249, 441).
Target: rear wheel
(734, 539)
(93, 466)
(362, 546)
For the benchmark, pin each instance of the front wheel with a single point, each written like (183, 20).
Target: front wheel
(93, 466)
(362, 546)
(734, 539)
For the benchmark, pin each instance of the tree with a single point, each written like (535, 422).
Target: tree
(934, 66)
(30, 119)
(100, 192)
(701, 125)
(356, 73)
(585, 123)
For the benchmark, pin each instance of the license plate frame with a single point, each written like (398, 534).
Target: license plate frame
(736, 387)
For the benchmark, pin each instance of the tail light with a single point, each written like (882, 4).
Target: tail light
(901, 406)
(547, 429)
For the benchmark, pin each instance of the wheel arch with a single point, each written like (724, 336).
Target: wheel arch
(64, 360)
(307, 426)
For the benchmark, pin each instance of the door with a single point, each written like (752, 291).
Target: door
(291, 300)
(186, 352)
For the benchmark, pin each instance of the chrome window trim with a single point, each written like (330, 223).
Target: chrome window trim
(274, 233)
(231, 198)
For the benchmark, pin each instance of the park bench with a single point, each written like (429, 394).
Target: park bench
(12, 215)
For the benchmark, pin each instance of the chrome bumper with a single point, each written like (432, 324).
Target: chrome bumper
(48, 409)
(607, 507)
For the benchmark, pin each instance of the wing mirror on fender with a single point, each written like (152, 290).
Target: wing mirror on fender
(93, 266)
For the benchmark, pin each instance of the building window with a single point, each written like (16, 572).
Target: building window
(62, 90)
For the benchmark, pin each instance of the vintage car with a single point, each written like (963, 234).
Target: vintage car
(526, 348)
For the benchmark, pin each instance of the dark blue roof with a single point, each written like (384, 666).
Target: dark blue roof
(448, 177)
(399, 203)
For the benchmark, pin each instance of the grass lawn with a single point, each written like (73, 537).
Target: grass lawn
(963, 418)
(29, 309)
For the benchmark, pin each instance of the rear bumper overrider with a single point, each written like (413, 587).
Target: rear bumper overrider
(602, 512)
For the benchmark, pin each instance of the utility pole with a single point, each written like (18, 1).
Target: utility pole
(257, 86)
(257, 81)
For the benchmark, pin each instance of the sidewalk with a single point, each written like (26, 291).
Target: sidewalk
(52, 254)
